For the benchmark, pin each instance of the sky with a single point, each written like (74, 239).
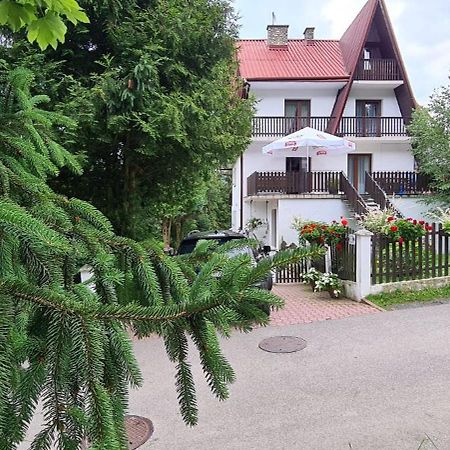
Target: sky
(422, 28)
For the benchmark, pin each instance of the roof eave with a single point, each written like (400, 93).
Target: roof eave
(327, 79)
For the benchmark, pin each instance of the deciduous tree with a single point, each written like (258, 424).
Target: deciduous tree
(430, 129)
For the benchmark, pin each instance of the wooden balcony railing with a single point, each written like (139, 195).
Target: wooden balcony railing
(372, 126)
(273, 127)
(281, 126)
(379, 195)
(353, 196)
(403, 182)
(378, 70)
(293, 183)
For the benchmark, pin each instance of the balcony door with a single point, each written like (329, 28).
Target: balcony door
(368, 114)
(298, 114)
(358, 165)
(296, 174)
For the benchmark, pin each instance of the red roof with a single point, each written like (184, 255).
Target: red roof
(317, 60)
(353, 39)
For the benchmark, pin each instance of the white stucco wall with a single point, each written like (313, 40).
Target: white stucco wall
(272, 95)
(389, 104)
(387, 155)
(324, 210)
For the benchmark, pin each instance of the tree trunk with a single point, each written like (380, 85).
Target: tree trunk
(166, 231)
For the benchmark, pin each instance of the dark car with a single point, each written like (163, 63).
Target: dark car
(222, 237)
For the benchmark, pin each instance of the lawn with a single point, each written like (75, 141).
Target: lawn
(388, 299)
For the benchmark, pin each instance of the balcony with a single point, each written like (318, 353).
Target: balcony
(378, 70)
(293, 183)
(328, 182)
(372, 127)
(274, 127)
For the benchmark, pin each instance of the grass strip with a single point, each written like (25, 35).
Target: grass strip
(387, 299)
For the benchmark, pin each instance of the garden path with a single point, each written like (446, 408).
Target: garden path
(304, 306)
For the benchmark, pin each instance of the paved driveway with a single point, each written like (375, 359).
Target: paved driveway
(374, 382)
(302, 305)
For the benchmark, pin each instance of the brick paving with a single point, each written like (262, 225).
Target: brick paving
(304, 306)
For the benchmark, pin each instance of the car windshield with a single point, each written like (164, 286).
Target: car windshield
(188, 245)
(240, 251)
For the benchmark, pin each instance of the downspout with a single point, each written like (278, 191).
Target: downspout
(241, 170)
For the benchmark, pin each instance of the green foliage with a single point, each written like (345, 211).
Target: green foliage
(153, 88)
(43, 19)
(390, 299)
(67, 346)
(430, 129)
(321, 233)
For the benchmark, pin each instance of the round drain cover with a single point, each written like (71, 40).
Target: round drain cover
(282, 344)
(139, 430)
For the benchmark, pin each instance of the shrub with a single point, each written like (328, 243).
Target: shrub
(311, 276)
(443, 216)
(375, 220)
(329, 282)
(321, 233)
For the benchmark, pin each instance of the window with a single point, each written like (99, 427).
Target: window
(368, 117)
(298, 114)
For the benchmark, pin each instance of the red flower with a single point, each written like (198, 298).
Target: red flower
(339, 247)
(415, 222)
(390, 219)
(422, 222)
(401, 240)
(409, 219)
(429, 228)
(344, 222)
(394, 228)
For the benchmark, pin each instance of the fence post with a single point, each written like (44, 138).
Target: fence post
(328, 260)
(363, 262)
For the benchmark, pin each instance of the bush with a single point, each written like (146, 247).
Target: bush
(329, 282)
(321, 233)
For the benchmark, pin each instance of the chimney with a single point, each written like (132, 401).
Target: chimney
(309, 33)
(277, 36)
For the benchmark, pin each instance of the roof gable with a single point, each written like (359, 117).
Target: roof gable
(372, 22)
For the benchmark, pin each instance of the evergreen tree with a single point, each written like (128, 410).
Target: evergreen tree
(67, 345)
(152, 85)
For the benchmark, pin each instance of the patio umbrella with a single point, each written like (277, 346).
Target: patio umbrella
(309, 142)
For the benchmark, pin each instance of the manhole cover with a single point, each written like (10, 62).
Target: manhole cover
(282, 344)
(139, 430)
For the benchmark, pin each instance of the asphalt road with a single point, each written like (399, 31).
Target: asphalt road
(380, 381)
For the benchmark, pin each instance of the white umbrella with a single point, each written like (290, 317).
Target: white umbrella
(303, 141)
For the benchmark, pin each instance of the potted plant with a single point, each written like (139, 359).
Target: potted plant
(311, 277)
(330, 282)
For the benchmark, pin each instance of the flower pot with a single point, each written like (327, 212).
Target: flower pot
(334, 294)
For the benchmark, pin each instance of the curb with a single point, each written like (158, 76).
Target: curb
(368, 302)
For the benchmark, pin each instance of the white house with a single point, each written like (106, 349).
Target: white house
(356, 87)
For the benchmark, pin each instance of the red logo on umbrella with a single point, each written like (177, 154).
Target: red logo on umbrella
(290, 144)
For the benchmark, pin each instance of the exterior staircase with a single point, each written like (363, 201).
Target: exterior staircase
(370, 202)
(375, 198)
